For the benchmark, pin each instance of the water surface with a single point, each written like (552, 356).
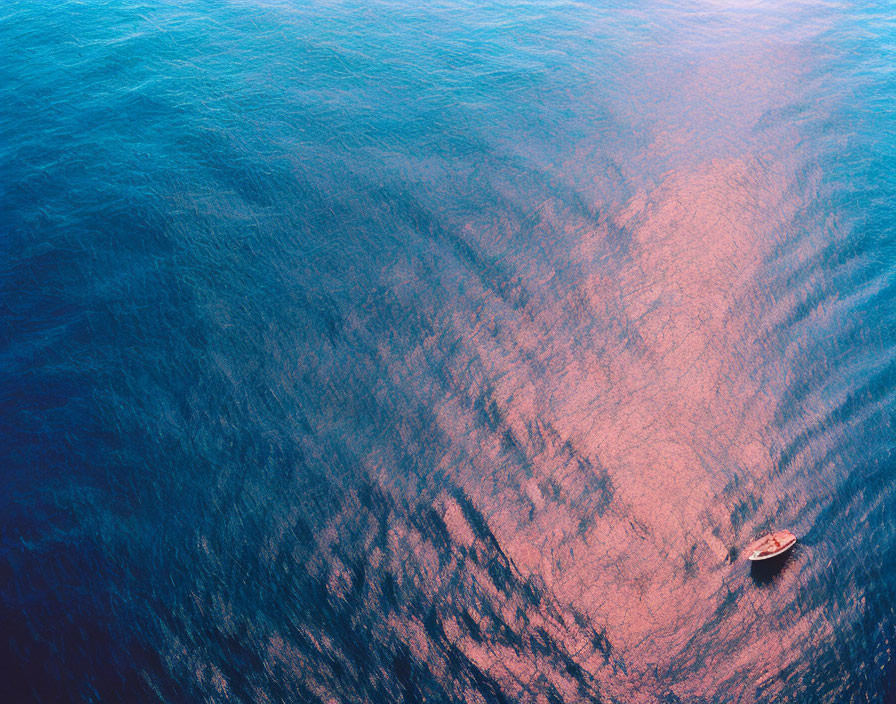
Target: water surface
(390, 351)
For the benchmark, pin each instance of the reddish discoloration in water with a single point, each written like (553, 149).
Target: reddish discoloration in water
(643, 377)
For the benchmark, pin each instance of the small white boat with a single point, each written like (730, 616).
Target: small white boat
(771, 545)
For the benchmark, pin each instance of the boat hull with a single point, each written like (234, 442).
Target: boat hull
(771, 546)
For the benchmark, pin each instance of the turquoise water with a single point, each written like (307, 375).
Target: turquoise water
(446, 352)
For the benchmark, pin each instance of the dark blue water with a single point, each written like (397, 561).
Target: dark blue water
(446, 352)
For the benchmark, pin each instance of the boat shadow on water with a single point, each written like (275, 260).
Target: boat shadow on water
(764, 572)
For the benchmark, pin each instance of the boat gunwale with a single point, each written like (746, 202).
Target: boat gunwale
(757, 556)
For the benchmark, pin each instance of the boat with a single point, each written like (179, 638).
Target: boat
(771, 545)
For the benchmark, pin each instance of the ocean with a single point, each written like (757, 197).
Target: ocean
(393, 351)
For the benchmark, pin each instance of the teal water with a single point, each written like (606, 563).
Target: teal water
(446, 352)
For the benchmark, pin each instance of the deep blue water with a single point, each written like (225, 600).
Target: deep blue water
(448, 352)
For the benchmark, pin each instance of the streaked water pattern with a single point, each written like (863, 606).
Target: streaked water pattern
(447, 351)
